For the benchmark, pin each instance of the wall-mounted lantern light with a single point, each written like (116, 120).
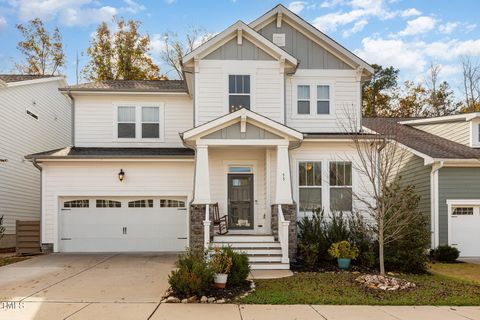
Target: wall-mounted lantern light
(121, 175)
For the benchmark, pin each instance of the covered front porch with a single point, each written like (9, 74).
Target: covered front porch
(242, 167)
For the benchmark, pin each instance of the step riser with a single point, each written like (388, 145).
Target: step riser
(254, 259)
(272, 266)
(247, 244)
(233, 239)
(252, 252)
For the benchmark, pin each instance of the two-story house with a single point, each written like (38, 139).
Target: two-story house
(259, 126)
(442, 160)
(34, 116)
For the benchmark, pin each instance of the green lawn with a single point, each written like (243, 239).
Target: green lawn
(11, 259)
(462, 271)
(341, 288)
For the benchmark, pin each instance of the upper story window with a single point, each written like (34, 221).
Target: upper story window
(238, 92)
(308, 93)
(139, 122)
(303, 96)
(341, 186)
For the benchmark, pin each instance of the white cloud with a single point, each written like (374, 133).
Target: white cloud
(3, 22)
(410, 13)
(331, 3)
(448, 27)
(417, 26)
(69, 12)
(133, 7)
(297, 6)
(357, 27)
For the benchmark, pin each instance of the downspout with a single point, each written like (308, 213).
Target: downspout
(36, 165)
(73, 117)
(436, 166)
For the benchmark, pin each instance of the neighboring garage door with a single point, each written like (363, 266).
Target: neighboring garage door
(465, 230)
(114, 224)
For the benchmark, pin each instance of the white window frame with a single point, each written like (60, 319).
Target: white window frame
(240, 73)
(149, 122)
(138, 122)
(340, 187)
(309, 99)
(475, 133)
(322, 185)
(313, 99)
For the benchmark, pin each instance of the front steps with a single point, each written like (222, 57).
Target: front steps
(262, 250)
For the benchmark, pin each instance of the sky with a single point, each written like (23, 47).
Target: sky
(407, 34)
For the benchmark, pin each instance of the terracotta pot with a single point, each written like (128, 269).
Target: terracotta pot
(220, 280)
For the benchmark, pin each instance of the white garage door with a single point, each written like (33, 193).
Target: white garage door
(465, 230)
(109, 224)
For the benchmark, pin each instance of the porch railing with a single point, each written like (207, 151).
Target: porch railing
(206, 227)
(283, 226)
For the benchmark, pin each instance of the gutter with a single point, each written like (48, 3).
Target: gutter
(69, 94)
(434, 226)
(36, 165)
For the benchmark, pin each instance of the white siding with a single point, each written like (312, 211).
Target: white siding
(344, 106)
(266, 87)
(20, 135)
(96, 125)
(101, 179)
(326, 152)
(455, 131)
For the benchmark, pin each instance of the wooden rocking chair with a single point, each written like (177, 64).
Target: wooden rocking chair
(220, 222)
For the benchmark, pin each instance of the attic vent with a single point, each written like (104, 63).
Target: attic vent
(279, 39)
(31, 114)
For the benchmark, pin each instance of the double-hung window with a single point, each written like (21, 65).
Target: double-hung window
(341, 186)
(126, 122)
(310, 185)
(238, 92)
(303, 97)
(323, 99)
(150, 122)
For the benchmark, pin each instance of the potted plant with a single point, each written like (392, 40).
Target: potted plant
(221, 264)
(344, 252)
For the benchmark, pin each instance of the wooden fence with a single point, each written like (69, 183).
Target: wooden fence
(28, 237)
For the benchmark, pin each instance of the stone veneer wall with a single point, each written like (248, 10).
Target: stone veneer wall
(197, 216)
(290, 214)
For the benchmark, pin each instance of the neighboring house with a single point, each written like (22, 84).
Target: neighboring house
(34, 116)
(443, 162)
(258, 126)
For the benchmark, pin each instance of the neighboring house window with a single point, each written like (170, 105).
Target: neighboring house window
(150, 122)
(463, 211)
(141, 204)
(310, 185)
(169, 203)
(31, 114)
(76, 204)
(341, 186)
(323, 99)
(238, 92)
(303, 97)
(108, 203)
(126, 122)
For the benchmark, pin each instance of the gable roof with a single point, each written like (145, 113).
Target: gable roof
(171, 86)
(326, 40)
(427, 144)
(452, 118)
(247, 32)
(227, 119)
(9, 78)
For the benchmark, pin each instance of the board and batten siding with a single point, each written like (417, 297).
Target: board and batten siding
(234, 51)
(345, 108)
(309, 53)
(96, 123)
(455, 131)
(266, 88)
(142, 178)
(20, 134)
(455, 183)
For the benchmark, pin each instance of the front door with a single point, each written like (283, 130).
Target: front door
(240, 201)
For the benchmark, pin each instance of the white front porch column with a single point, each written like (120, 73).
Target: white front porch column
(202, 176)
(283, 187)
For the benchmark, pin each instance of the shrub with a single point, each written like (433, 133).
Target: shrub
(343, 249)
(312, 241)
(2, 228)
(336, 228)
(193, 276)
(221, 262)
(310, 253)
(361, 236)
(240, 267)
(445, 254)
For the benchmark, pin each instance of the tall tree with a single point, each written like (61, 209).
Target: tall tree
(471, 84)
(412, 102)
(440, 98)
(122, 55)
(379, 91)
(175, 49)
(43, 50)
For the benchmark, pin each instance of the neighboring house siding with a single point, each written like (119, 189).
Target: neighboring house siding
(344, 106)
(234, 51)
(455, 131)
(455, 183)
(309, 53)
(266, 87)
(96, 123)
(413, 172)
(20, 135)
(101, 179)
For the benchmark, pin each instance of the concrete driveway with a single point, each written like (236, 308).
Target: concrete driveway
(84, 286)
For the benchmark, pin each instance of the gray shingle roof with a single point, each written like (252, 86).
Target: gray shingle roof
(421, 141)
(84, 152)
(8, 78)
(131, 86)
